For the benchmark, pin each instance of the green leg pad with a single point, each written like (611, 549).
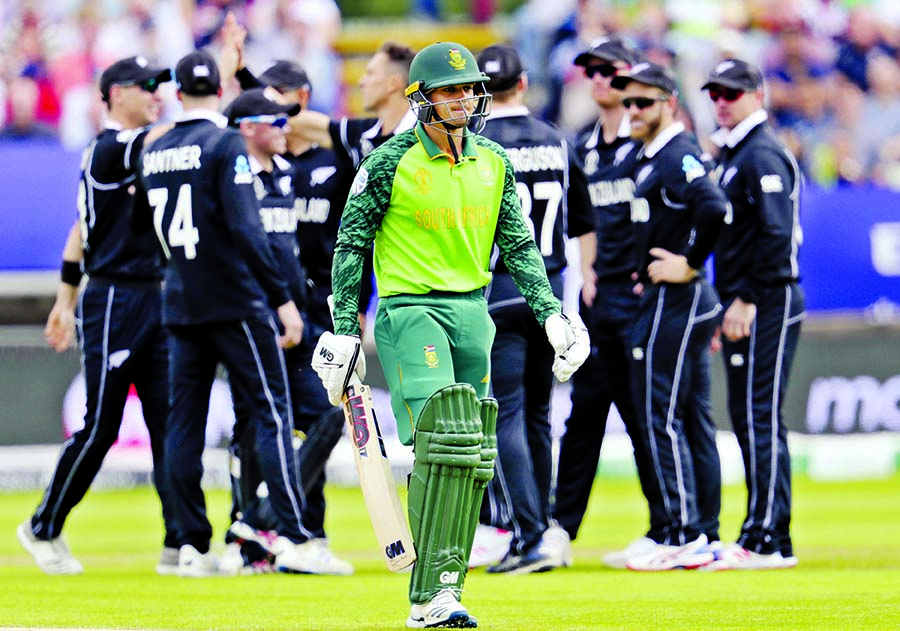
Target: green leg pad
(484, 472)
(447, 446)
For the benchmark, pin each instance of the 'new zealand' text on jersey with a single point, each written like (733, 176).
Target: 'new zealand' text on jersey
(609, 168)
(676, 205)
(105, 197)
(199, 185)
(760, 241)
(355, 138)
(434, 225)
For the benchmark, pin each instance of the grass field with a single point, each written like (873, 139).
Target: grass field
(847, 536)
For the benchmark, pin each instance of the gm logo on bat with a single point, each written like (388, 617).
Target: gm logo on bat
(360, 423)
(394, 550)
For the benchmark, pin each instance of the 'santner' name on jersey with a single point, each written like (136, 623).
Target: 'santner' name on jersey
(608, 192)
(175, 159)
(540, 158)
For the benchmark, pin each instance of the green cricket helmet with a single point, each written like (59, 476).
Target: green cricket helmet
(438, 66)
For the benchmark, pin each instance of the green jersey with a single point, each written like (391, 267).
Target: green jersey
(434, 225)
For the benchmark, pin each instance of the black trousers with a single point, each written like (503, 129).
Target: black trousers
(122, 343)
(758, 368)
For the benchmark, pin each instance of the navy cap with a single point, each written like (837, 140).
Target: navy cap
(609, 48)
(197, 74)
(258, 102)
(285, 74)
(130, 71)
(502, 64)
(647, 73)
(736, 74)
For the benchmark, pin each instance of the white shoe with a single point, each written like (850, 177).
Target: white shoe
(306, 558)
(168, 562)
(231, 563)
(690, 556)
(330, 563)
(53, 556)
(637, 548)
(489, 546)
(556, 544)
(192, 564)
(735, 557)
(442, 611)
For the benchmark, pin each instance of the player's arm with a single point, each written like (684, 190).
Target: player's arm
(582, 223)
(708, 206)
(60, 329)
(313, 127)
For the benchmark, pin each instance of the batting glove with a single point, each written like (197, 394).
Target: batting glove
(569, 339)
(337, 359)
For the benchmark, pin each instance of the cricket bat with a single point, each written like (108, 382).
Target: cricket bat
(375, 476)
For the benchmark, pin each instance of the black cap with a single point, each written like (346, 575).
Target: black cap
(258, 102)
(736, 74)
(131, 70)
(285, 74)
(647, 73)
(609, 48)
(502, 64)
(197, 74)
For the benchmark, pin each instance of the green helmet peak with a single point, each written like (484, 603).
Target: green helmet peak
(443, 64)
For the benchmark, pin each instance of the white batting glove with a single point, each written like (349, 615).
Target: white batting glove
(336, 359)
(569, 338)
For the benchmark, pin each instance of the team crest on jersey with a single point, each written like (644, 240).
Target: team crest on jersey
(285, 185)
(488, 177)
(242, 173)
(422, 179)
(360, 181)
(692, 168)
(431, 357)
(622, 153)
(591, 162)
(771, 183)
(456, 61)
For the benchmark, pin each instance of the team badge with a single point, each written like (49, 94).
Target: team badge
(692, 168)
(360, 181)
(591, 162)
(771, 183)
(285, 185)
(242, 173)
(487, 176)
(457, 61)
(737, 360)
(423, 181)
(431, 358)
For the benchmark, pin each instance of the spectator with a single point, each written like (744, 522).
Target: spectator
(863, 38)
(22, 123)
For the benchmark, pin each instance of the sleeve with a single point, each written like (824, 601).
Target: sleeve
(141, 219)
(370, 195)
(771, 191)
(581, 216)
(340, 144)
(520, 253)
(694, 184)
(242, 216)
(247, 79)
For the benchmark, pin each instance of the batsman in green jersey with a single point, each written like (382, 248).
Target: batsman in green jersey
(436, 200)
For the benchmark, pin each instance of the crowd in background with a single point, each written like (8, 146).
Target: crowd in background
(832, 68)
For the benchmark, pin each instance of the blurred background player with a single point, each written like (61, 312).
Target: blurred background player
(677, 212)
(221, 279)
(434, 200)
(554, 197)
(119, 316)
(756, 274)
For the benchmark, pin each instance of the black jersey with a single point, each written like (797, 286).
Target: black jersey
(760, 241)
(355, 138)
(676, 205)
(199, 184)
(609, 168)
(551, 185)
(105, 196)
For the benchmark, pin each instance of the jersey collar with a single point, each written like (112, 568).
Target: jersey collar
(469, 151)
(201, 114)
(731, 138)
(508, 111)
(624, 131)
(663, 139)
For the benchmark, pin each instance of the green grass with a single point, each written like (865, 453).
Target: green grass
(847, 536)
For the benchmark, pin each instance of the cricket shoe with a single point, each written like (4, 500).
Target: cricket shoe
(556, 544)
(307, 558)
(256, 545)
(735, 557)
(528, 563)
(168, 562)
(444, 611)
(690, 556)
(194, 564)
(637, 548)
(52, 556)
(331, 563)
(489, 546)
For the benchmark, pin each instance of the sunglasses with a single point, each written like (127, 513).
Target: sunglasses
(729, 94)
(150, 85)
(265, 119)
(642, 102)
(604, 70)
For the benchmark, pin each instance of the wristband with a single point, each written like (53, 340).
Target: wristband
(70, 273)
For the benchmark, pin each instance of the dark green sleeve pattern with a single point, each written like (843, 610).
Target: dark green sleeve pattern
(517, 246)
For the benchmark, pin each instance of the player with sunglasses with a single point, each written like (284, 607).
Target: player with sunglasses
(756, 275)
(677, 212)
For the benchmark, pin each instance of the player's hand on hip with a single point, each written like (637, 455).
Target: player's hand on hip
(570, 341)
(336, 359)
(738, 320)
(292, 323)
(669, 267)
